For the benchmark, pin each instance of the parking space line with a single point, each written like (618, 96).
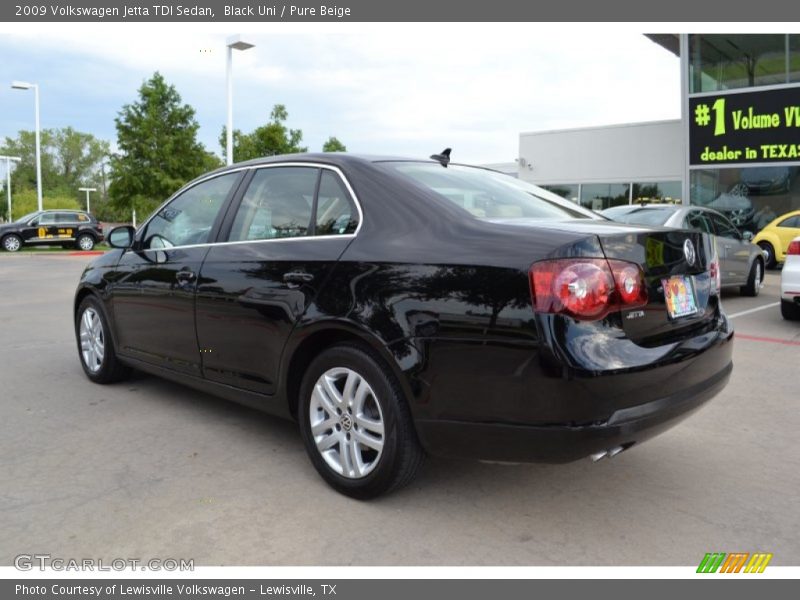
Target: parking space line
(756, 338)
(752, 310)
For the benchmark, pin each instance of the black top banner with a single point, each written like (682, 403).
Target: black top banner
(745, 128)
(399, 10)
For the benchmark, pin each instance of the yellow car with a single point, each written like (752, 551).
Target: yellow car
(774, 238)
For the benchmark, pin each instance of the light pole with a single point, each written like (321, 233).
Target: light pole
(24, 85)
(234, 42)
(88, 191)
(8, 160)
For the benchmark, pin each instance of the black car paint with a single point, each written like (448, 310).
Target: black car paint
(445, 300)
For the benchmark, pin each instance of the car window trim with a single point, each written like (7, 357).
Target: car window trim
(240, 192)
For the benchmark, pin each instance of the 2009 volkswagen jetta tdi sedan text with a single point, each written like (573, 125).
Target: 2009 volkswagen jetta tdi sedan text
(401, 307)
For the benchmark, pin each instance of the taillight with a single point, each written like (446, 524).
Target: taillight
(716, 275)
(586, 288)
(794, 247)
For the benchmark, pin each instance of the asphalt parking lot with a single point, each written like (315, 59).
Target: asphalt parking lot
(149, 469)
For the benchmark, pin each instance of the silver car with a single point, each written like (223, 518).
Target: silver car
(741, 262)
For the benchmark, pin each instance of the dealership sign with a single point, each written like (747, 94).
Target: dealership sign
(741, 128)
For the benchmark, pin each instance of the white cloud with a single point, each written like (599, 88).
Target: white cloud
(389, 88)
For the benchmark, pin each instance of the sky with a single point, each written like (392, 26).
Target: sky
(399, 89)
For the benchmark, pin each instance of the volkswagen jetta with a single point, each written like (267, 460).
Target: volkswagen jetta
(401, 307)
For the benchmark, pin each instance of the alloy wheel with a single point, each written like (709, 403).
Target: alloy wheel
(346, 422)
(11, 243)
(92, 340)
(85, 243)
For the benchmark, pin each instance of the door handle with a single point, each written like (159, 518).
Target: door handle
(297, 277)
(185, 276)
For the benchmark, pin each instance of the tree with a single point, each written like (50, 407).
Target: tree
(26, 201)
(267, 140)
(70, 159)
(158, 148)
(333, 145)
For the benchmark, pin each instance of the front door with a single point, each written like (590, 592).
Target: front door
(154, 294)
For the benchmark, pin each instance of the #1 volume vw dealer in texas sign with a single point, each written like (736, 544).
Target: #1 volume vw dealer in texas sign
(748, 127)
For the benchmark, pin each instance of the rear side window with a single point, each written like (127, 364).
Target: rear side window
(699, 222)
(724, 227)
(277, 204)
(336, 212)
(66, 218)
(793, 222)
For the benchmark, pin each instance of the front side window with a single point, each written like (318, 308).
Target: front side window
(277, 204)
(47, 219)
(336, 213)
(189, 218)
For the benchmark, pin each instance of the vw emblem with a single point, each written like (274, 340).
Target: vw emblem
(346, 422)
(688, 252)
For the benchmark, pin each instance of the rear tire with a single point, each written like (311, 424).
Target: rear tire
(754, 280)
(12, 242)
(790, 310)
(770, 259)
(95, 344)
(84, 242)
(348, 396)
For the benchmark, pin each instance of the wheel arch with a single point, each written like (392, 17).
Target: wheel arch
(306, 344)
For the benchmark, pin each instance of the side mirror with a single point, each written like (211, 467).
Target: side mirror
(747, 235)
(121, 237)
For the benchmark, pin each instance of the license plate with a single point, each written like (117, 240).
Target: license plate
(679, 296)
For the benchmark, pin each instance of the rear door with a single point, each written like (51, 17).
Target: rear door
(67, 225)
(154, 291)
(292, 224)
(734, 251)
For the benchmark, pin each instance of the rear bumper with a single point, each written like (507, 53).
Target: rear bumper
(790, 280)
(560, 443)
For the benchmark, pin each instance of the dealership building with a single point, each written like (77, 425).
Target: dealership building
(736, 147)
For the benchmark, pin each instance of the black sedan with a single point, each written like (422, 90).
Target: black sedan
(401, 307)
(67, 228)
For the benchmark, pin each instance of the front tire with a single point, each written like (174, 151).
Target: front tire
(770, 258)
(12, 243)
(754, 280)
(790, 310)
(85, 242)
(95, 345)
(356, 425)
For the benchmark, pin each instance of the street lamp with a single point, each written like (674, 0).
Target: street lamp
(234, 42)
(8, 160)
(88, 191)
(24, 85)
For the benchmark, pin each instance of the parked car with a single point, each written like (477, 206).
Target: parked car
(775, 238)
(399, 307)
(767, 180)
(67, 228)
(741, 262)
(790, 282)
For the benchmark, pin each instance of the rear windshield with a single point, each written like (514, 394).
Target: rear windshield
(644, 216)
(489, 195)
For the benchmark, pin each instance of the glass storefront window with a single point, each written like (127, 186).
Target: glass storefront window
(565, 190)
(661, 192)
(729, 61)
(599, 196)
(750, 197)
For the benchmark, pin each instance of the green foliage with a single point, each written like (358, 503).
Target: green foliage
(333, 145)
(70, 159)
(158, 148)
(267, 140)
(25, 201)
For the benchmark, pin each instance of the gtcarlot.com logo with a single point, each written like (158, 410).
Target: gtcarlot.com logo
(735, 562)
(28, 562)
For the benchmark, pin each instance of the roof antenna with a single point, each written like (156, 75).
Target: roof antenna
(443, 158)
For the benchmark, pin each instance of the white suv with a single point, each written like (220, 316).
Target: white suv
(790, 282)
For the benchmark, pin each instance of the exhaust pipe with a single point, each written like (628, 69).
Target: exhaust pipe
(606, 453)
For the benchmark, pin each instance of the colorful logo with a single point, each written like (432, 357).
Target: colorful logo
(735, 562)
